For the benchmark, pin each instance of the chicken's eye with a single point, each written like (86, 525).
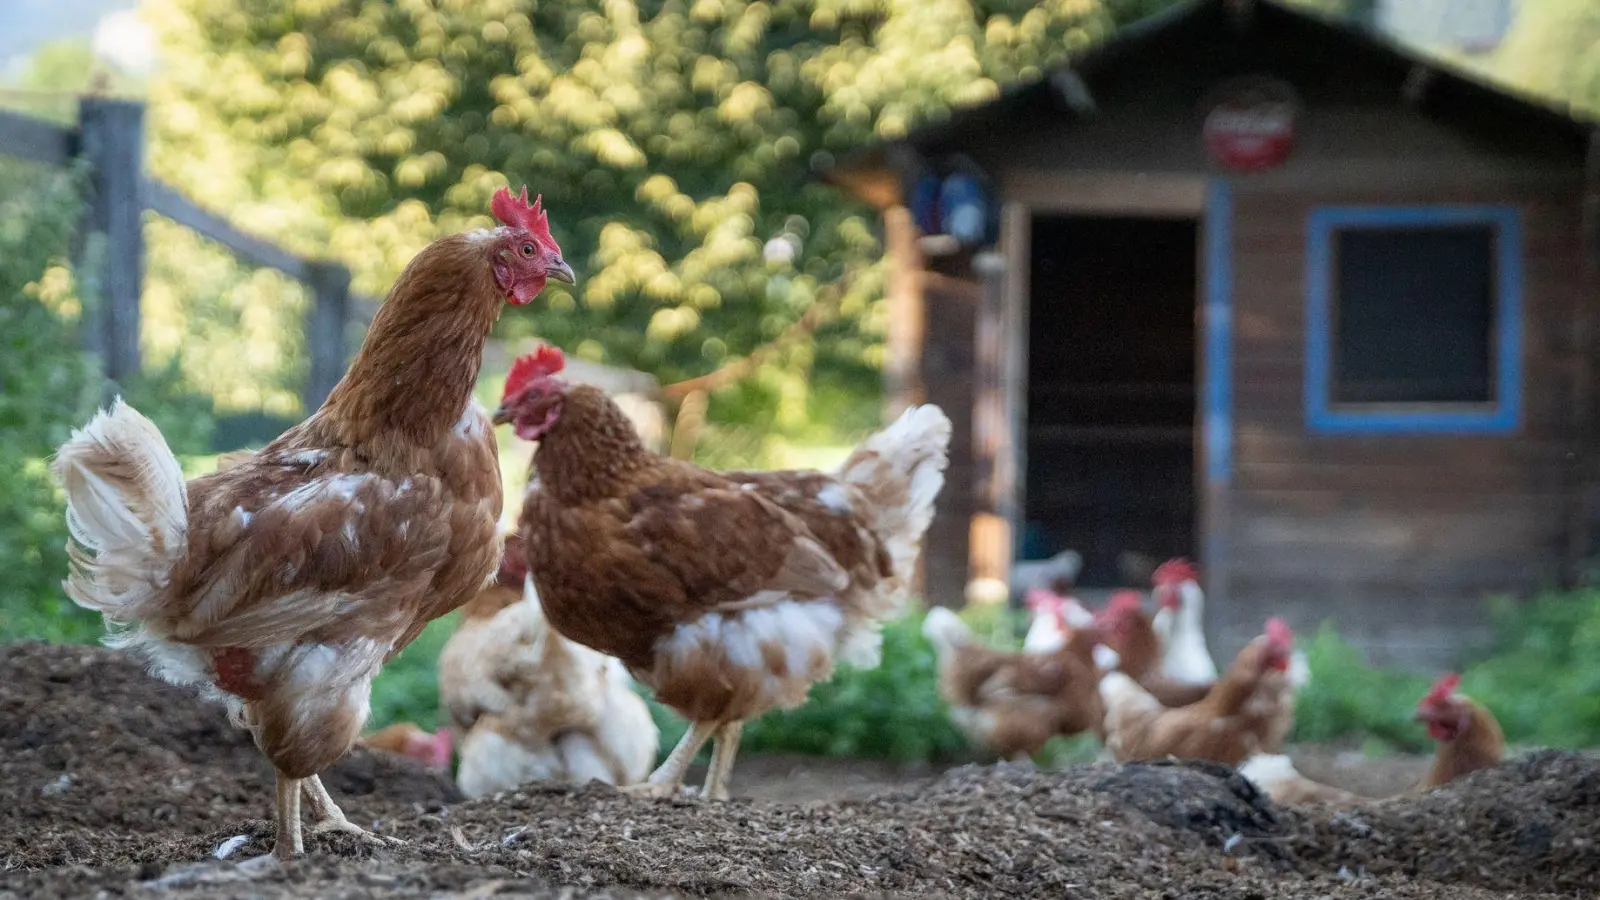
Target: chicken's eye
(527, 250)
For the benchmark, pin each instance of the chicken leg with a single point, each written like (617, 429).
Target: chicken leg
(722, 756)
(326, 815)
(667, 779)
(290, 843)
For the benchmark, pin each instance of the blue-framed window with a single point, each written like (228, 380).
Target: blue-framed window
(1414, 319)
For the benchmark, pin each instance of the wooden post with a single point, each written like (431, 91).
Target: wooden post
(113, 265)
(902, 370)
(1581, 544)
(329, 284)
(994, 514)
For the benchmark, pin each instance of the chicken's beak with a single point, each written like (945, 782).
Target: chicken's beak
(560, 271)
(500, 416)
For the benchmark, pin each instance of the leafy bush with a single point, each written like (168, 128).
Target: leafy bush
(1347, 698)
(1542, 681)
(47, 387)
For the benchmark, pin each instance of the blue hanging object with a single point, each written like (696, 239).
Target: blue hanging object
(964, 208)
(924, 202)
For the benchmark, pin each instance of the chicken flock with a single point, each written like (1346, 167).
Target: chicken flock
(281, 583)
(1148, 688)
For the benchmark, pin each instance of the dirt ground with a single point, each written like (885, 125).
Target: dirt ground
(113, 785)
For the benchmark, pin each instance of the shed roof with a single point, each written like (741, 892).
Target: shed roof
(1452, 94)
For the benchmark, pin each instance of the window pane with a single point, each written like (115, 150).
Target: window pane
(1414, 315)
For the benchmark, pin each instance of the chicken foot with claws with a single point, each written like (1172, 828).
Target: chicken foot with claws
(722, 756)
(667, 779)
(326, 815)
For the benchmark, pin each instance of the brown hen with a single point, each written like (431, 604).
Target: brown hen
(728, 593)
(1231, 723)
(1015, 702)
(282, 582)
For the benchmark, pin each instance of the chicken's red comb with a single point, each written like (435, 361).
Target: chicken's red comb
(545, 361)
(517, 212)
(1122, 602)
(1279, 633)
(1042, 598)
(1443, 688)
(1175, 571)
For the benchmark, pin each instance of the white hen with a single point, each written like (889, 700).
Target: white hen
(534, 706)
(1179, 623)
(1054, 619)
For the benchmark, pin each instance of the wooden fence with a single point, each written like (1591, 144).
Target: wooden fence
(109, 138)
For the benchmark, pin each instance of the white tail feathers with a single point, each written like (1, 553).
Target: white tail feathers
(945, 630)
(901, 470)
(127, 512)
(1269, 771)
(1125, 697)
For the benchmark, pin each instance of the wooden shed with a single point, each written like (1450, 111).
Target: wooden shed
(1273, 293)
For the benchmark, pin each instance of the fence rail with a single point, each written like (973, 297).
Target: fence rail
(109, 137)
(37, 140)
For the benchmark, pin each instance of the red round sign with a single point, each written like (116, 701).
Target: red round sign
(1251, 127)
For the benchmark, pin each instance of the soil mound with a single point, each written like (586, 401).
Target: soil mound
(110, 779)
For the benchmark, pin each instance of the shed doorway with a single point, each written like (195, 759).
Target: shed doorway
(1112, 393)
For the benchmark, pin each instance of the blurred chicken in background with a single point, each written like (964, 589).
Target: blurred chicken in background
(1053, 619)
(408, 739)
(1009, 702)
(533, 706)
(1231, 723)
(1468, 734)
(1059, 574)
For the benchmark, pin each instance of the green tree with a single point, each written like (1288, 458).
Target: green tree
(1360, 12)
(46, 387)
(672, 142)
(1553, 48)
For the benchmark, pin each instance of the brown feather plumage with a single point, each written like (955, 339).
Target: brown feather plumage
(1233, 721)
(355, 528)
(1016, 702)
(627, 545)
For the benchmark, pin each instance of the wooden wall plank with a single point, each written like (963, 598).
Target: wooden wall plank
(1359, 526)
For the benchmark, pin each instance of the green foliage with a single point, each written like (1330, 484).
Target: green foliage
(893, 711)
(231, 330)
(45, 389)
(48, 387)
(1360, 12)
(1542, 681)
(1347, 698)
(1553, 48)
(672, 141)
